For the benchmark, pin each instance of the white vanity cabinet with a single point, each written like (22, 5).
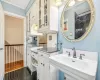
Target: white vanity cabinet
(43, 70)
(48, 16)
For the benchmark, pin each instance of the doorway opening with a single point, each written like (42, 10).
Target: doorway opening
(14, 43)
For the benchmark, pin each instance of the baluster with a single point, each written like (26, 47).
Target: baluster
(13, 59)
(17, 55)
(5, 58)
(10, 60)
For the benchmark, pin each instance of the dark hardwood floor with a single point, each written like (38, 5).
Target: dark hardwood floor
(21, 74)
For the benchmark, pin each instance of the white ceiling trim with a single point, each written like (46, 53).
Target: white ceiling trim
(12, 4)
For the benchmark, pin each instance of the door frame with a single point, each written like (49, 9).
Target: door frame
(20, 17)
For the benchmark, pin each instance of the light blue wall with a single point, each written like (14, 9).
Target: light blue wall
(90, 43)
(29, 5)
(13, 9)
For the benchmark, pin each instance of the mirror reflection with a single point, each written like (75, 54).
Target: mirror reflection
(75, 19)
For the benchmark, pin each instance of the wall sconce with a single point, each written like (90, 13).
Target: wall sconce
(35, 27)
(34, 30)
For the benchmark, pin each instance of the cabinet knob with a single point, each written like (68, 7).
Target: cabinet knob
(64, 78)
(1, 48)
(41, 55)
(43, 64)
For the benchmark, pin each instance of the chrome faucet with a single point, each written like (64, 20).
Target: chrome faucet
(68, 53)
(74, 53)
(81, 56)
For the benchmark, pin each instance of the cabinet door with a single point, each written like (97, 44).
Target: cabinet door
(73, 77)
(53, 73)
(29, 61)
(42, 13)
(40, 70)
(37, 11)
(42, 3)
(28, 58)
(42, 17)
(46, 69)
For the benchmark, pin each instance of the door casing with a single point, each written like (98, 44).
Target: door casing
(20, 17)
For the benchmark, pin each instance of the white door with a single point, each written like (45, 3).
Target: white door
(1, 41)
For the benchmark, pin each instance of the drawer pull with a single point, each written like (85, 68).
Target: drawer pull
(64, 78)
(43, 64)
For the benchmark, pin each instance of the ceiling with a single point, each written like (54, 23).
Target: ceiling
(19, 3)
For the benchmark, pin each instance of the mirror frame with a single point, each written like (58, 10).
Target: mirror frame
(92, 20)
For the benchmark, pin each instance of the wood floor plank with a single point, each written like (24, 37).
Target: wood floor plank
(12, 66)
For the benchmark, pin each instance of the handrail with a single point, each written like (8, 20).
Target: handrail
(15, 45)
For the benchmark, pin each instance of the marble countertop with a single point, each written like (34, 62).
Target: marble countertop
(48, 50)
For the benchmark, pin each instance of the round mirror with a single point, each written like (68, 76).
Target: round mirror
(77, 19)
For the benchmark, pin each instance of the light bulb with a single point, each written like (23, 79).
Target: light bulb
(58, 2)
(36, 27)
(72, 2)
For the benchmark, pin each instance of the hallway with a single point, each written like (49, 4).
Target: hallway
(14, 43)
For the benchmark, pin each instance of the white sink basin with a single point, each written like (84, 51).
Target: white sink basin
(65, 63)
(72, 62)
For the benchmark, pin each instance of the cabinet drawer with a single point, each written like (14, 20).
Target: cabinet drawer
(67, 77)
(34, 55)
(73, 77)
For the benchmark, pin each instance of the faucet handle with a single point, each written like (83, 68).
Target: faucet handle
(73, 48)
(81, 56)
(68, 53)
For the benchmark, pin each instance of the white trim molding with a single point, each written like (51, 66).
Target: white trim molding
(24, 19)
(14, 15)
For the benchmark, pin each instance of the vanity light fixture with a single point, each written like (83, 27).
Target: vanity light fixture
(58, 2)
(72, 2)
(35, 27)
(34, 30)
(79, 0)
